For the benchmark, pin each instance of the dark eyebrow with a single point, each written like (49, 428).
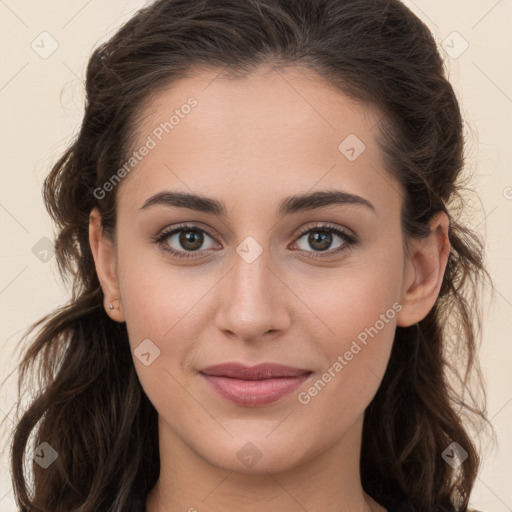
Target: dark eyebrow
(320, 199)
(186, 200)
(292, 204)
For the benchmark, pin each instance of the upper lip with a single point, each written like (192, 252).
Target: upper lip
(257, 372)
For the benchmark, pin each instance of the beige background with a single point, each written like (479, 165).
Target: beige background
(41, 107)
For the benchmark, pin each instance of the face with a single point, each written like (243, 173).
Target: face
(250, 276)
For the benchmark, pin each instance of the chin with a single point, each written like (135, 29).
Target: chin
(253, 455)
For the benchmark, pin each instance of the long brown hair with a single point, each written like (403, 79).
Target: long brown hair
(87, 402)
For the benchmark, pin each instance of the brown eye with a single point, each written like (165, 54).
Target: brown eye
(191, 239)
(184, 240)
(320, 239)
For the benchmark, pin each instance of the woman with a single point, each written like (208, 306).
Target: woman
(257, 218)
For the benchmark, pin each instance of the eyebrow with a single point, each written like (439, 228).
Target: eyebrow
(292, 204)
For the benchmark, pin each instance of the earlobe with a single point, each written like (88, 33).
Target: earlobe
(104, 255)
(424, 272)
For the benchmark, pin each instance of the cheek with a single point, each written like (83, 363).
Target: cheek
(167, 305)
(357, 357)
(358, 309)
(155, 294)
(348, 300)
(161, 305)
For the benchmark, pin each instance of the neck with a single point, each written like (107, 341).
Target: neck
(327, 481)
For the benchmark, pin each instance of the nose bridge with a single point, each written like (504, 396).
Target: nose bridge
(251, 274)
(252, 296)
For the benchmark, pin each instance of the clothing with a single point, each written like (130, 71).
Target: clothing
(396, 504)
(405, 507)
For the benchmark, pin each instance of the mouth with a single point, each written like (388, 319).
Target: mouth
(254, 386)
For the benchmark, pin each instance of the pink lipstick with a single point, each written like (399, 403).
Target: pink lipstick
(254, 386)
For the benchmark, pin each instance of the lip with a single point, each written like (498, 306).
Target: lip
(254, 386)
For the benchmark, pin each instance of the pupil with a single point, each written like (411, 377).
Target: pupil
(324, 237)
(193, 237)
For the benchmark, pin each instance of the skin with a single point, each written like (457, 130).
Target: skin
(250, 143)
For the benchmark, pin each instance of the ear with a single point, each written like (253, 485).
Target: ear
(424, 272)
(104, 255)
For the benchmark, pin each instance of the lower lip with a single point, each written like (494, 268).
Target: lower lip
(254, 393)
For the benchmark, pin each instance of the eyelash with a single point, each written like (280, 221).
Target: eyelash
(349, 240)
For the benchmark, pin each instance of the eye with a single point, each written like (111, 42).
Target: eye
(188, 238)
(184, 240)
(320, 238)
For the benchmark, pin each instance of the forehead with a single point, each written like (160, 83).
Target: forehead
(270, 131)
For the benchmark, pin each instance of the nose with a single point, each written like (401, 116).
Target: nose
(253, 301)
